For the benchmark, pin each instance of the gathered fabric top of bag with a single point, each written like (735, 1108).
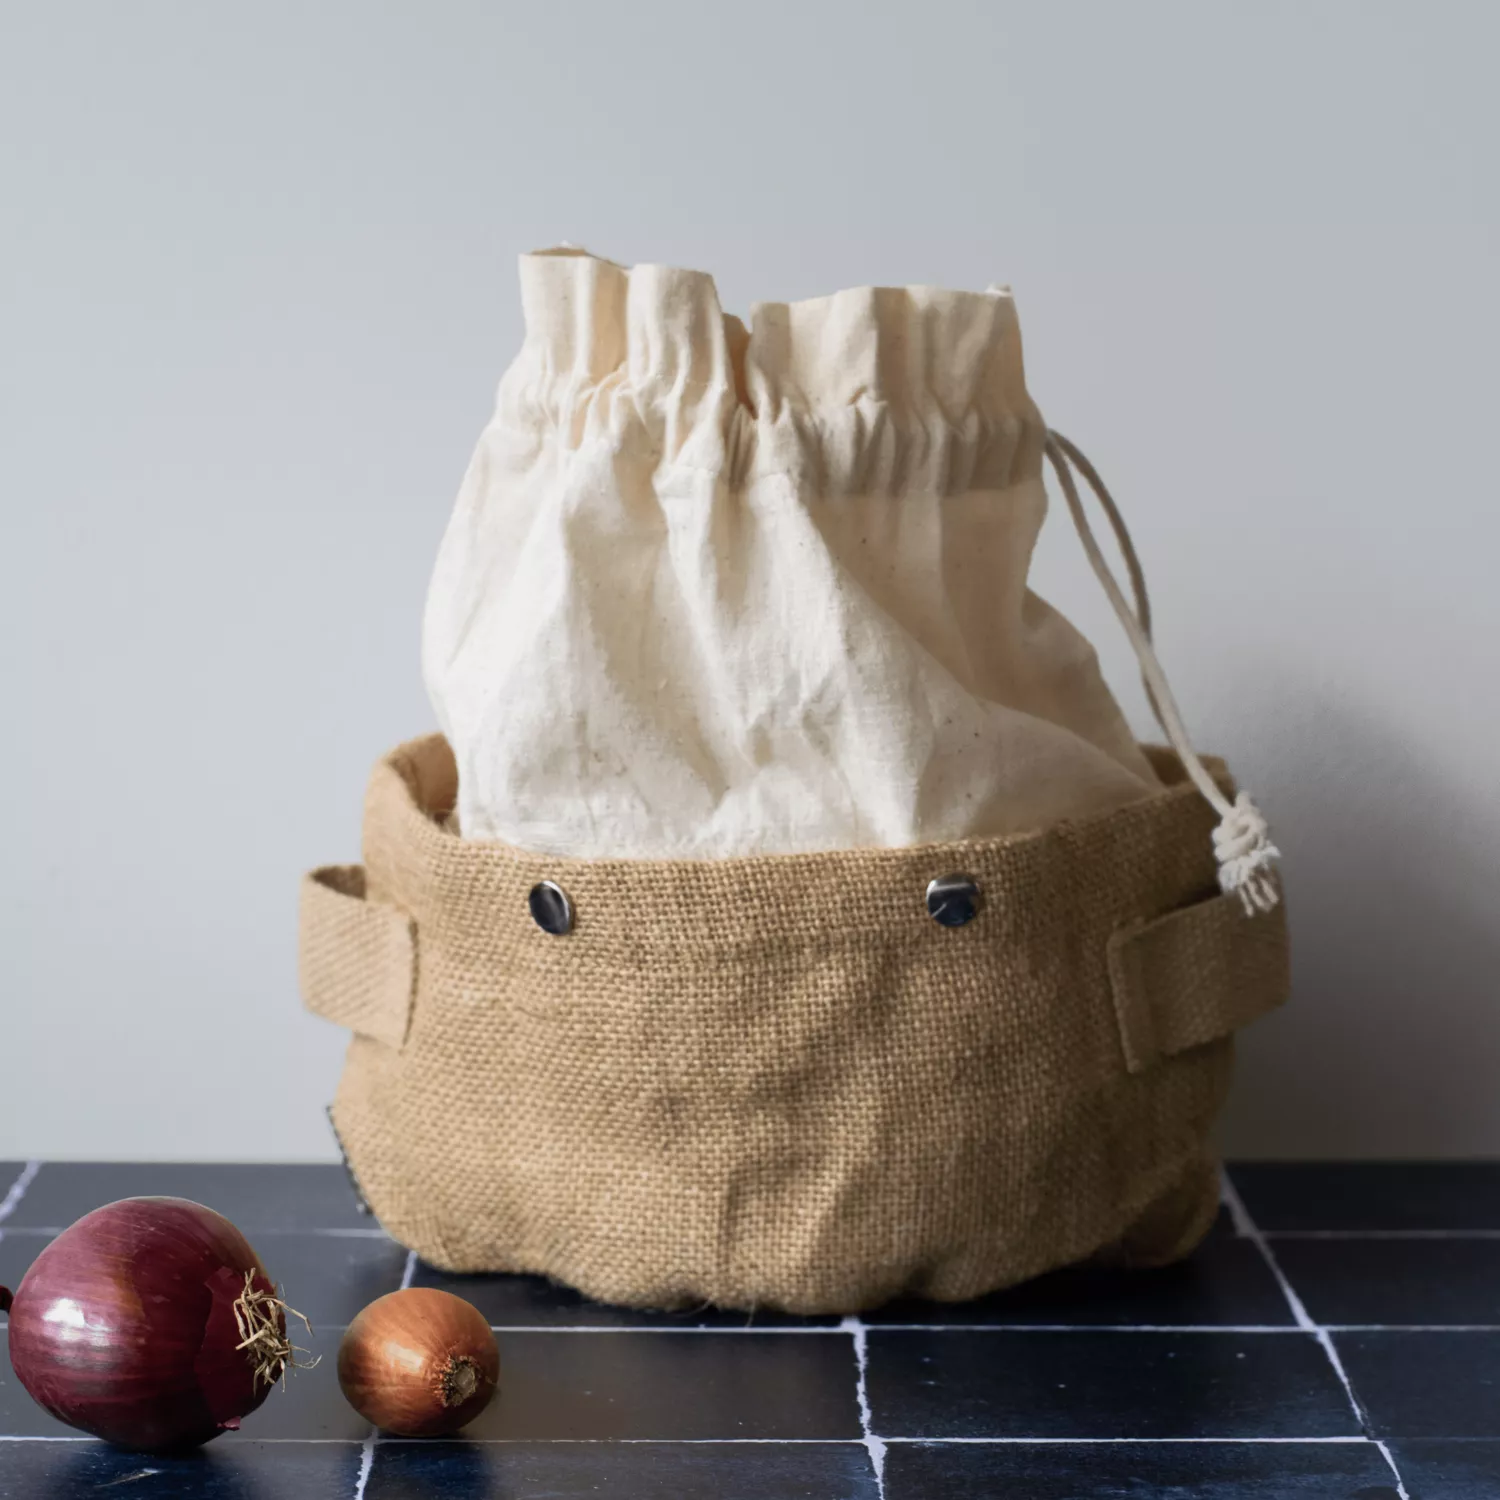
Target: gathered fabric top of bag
(715, 589)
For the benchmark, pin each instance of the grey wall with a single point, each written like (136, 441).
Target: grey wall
(256, 287)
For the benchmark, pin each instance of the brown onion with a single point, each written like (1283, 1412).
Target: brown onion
(151, 1323)
(419, 1363)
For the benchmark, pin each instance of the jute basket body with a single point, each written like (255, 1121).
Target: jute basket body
(776, 1081)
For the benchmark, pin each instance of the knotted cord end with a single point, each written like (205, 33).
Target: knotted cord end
(1247, 857)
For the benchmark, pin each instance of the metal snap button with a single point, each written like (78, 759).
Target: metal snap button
(550, 908)
(953, 900)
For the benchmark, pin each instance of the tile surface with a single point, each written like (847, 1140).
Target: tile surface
(17, 1251)
(960, 1384)
(1204, 1379)
(1395, 1280)
(1225, 1282)
(1426, 1384)
(1449, 1470)
(248, 1471)
(1370, 1195)
(663, 1471)
(1138, 1471)
(329, 1278)
(311, 1405)
(673, 1385)
(252, 1196)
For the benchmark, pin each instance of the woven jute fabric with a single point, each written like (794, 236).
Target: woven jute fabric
(372, 995)
(776, 1081)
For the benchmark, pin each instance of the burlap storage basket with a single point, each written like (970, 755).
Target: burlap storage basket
(776, 1081)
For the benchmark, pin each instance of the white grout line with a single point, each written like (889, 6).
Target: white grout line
(1350, 1440)
(260, 1231)
(874, 1446)
(323, 1234)
(734, 1328)
(1231, 1200)
(1235, 1330)
(18, 1188)
(1245, 1225)
(972, 1442)
(1326, 1341)
(1385, 1453)
(79, 1439)
(1195, 1328)
(1382, 1234)
(83, 1437)
(1104, 1441)
(371, 1442)
(1412, 1327)
(366, 1463)
(736, 1442)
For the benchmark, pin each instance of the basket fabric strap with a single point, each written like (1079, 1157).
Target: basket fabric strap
(357, 959)
(1195, 975)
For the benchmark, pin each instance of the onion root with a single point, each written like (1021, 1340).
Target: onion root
(261, 1318)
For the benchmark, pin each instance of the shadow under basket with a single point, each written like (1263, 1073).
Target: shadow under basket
(778, 1081)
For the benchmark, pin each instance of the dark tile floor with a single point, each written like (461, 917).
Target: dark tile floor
(1337, 1337)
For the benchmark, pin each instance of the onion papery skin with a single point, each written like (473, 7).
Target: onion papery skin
(419, 1363)
(124, 1326)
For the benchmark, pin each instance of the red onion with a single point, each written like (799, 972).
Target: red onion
(151, 1323)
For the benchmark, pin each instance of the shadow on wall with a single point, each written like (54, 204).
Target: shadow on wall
(1391, 1044)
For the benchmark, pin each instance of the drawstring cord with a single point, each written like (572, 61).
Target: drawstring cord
(1242, 841)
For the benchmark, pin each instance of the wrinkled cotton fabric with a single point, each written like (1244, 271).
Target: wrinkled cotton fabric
(714, 590)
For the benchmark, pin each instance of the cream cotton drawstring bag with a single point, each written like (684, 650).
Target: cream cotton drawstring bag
(709, 592)
(785, 915)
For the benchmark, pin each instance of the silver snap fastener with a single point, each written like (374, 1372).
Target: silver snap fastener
(550, 908)
(953, 900)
